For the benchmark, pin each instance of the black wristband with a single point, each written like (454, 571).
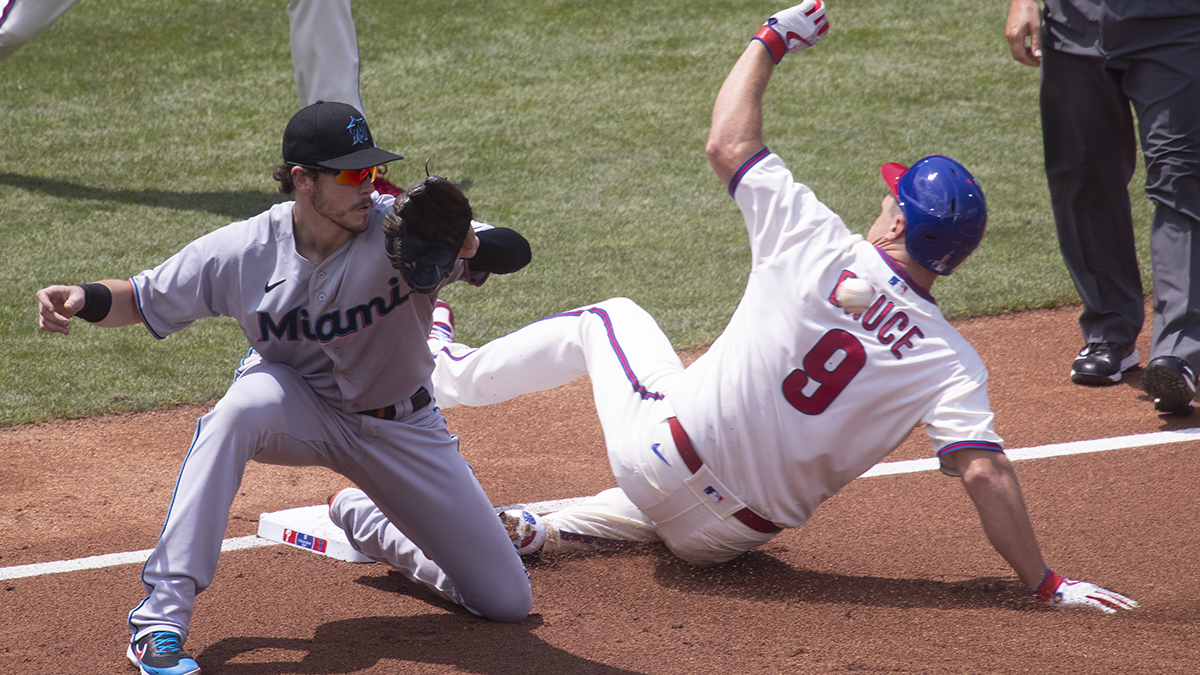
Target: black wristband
(97, 300)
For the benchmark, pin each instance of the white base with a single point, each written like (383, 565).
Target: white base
(309, 528)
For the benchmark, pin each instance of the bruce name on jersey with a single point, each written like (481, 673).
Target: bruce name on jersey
(890, 328)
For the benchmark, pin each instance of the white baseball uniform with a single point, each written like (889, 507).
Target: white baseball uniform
(331, 342)
(794, 400)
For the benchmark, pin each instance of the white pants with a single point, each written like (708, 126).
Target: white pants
(632, 366)
(410, 467)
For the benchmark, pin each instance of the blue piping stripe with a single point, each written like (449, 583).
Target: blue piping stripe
(237, 372)
(746, 166)
(137, 301)
(452, 357)
(174, 492)
(976, 445)
(616, 347)
(900, 270)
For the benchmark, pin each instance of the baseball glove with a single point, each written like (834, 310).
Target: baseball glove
(425, 231)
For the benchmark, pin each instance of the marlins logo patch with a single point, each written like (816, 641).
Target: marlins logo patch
(358, 130)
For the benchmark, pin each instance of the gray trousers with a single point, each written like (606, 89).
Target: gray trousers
(1091, 153)
(410, 467)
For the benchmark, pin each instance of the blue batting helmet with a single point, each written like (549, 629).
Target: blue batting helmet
(944, 210)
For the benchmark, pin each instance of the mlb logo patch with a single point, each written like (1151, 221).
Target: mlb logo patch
(713, 494)
(304, 540)
(898, 284)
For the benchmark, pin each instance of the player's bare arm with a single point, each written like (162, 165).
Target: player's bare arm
(736, 131)
(990, 481)
(992, 484)
(737, 122)
(1024, 31)
(58, 304)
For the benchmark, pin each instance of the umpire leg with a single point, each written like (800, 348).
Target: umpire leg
(1164, 84)
(1090, 155)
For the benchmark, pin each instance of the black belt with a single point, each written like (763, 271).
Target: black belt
(419, 400)
(693, 462)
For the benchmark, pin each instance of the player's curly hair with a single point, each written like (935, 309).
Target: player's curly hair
(283, 174)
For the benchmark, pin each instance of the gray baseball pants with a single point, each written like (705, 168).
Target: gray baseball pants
(1091, 153)
(410, 467)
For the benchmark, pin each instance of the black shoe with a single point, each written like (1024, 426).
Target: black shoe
(1102, 363)
(1172, 384)
(161, 653)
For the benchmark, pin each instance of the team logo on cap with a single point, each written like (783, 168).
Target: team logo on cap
(358, 130)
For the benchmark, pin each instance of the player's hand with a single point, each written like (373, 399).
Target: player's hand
(1024, 23)
(1060, 592)
(56, 306)
(794, 29)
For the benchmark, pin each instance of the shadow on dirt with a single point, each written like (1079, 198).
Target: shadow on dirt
(468, 643)
(759, 576)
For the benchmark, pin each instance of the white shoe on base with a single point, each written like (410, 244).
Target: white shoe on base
(527, 530)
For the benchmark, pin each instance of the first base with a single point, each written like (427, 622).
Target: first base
(309, 528)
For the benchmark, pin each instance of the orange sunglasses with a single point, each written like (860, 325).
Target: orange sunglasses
(354, 177)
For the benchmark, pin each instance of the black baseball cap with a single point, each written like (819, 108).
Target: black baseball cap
(332, 135)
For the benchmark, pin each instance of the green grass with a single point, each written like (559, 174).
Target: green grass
(127, 131)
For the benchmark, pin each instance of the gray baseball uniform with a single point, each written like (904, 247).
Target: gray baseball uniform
(339, 348)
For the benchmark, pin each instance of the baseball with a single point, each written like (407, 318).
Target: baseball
(855, 295)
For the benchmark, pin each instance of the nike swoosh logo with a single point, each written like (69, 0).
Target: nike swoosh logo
(791, 36)
(269, 287)
(660, 455)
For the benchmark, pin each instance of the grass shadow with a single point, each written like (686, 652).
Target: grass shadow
(234, 205)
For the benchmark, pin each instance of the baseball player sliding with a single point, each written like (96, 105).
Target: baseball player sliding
(715, 459)
(338, 374)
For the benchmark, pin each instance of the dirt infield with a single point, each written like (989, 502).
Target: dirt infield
(892, 575)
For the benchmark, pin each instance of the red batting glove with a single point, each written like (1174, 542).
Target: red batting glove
(1060, 592)
(794, 29)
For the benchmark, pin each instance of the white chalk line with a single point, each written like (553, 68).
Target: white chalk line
(882, 469)
(112, 559)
